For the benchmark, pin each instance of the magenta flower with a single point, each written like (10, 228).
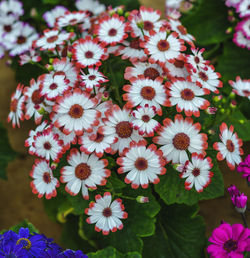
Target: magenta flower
(232, 189)
(240, 202)
(244, 167)
(229, 241)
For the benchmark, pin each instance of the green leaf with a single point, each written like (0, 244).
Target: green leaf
(208, 22)
(111, 252)
(78, 203)
(6, 152)
(24, 224)
(129, 4)
(179, 233)
(172, 190)
(234, 61)
(55, 2)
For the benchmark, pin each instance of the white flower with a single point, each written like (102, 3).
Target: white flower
(243, 8)
(51, 16)
(11, 7)
(241, 87)
(92, 6)
(71, 18)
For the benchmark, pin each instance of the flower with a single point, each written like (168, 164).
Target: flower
(238, 199)
(176, 68)
(30, 57)
(72, 254)
(195, 60)
(44, 182)
(142, 164)
(142, 199)
(241, 87)
(232, 189)
(230, 147)
(197, 172)
(50, 16)
(106, 214)
(244, 167)
(243, 8)
(84, 172)
(17, 106)
(240, 40)
(11, 7)
(229, 241)
(93, 7)
(179, 136)
(243, 26)
(71, 18)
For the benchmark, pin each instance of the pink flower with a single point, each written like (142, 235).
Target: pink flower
(229, 241)
(244, 167)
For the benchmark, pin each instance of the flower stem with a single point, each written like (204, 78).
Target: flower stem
(244, 220)
(39, 65)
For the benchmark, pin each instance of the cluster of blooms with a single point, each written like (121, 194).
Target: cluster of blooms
(242, 29)
(229, 241)
(16, 36)
(73, 107)
(244, 168)
(174, 8)
(239, 199)
(27, 244)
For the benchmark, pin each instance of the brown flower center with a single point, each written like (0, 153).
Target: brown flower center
(151, 73)
(182, 30)
(47, 146)
(7, 28)
(89, 54)
(230, 146)
(181, 141)
(99, 137)
(36, 97)
(52, 39)
(141, 164)
(21, 40)
(230, 245)
(112, 32)
(124, 129)
(13, 105)
(148, 25)
(46, 177)
(59, 73)
(107, 212)
(76, 111)
(196, 172)
(187, 94)
(53, 86)
(178, 63)
(145, 118)
(82, 171)
(163, 45)
(197, 60)
(135, 44)
(203, 76)
(92, 77)
(148, 92)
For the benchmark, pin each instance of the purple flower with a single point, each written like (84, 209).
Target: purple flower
(72, 254)
(229, 241)
(240, 202)
(244, 167)
(232, 189)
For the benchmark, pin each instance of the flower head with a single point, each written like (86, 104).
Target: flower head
(244, 167)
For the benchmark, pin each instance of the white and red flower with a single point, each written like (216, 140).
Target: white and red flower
(142, 164)
(240, 40)
(71, 18)
(30, 57)
(198, 172)
(44, 182)
(243, 8)
(230, 147)
(17, 105)
(88, 52)
(144, 91)
(83, 172)
(93, 7)
(241, 87)
(244, 27)
(106, 214)
(180, 136)
(176, 68)
(186, 96)
(195, 61)
(51, 16)
(75, 111)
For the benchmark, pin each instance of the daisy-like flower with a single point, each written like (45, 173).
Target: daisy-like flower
(71, 18)
(144, 122)
(197, 172)
(243, 8)
(93, 7)
(31, 56)
(162, 47)
(244, 168)
(150, 71)
(7, 26)
(240, 40)
(92, 79)
(53, 86)
(106, 214)
(196, 61)
(230, 147)
(149, 20)
(176, 68)
(17, 107)
(83, 172)
(186, 96)
(88, 52)
(180, 136)
(51, 16)
(118, 125)
(47, 145)
(44, 182)
(51, 39)
(241, 87)
(145, 91)
(75, 112)
(11, 7)
(111, 30)
(34, 101)
(244, 26)
(232, 3)
(132, 51)
(142, 164)
(229, 241)
(176, 25)
(207, 78)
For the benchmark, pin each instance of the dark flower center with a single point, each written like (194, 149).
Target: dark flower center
(82, 171)
(124, 129)
(151, 73)
(187, 94)
(13, 105)
(89, 54)
(135, 44)
(182, 30)
(230, 145)
(92, 77)
(246, 93)
(148, 25)
(47, 177)
(53, 86)
(36, 97)
(148, 92)
(21, 40)
(25, 242)
(230, 245)
(163, 45)
(203, 76)
(52, 39)
(197, 60)
(73, 21)
(107, 212)
(112, 32)
(196, 172)
(178, 63)
(145, 118)
(76, 111)
(141, 164)
(59, 73)
(99, 137)
(47, 146)
(7, 28)
(181, 141)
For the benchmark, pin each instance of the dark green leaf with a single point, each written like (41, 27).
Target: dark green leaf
(24, 224)
(6, 152)
(179, 233)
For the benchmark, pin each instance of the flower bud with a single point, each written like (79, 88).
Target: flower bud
(217, 98)
(240, 202)
(232, 189)
(211, 131)
(142, 199)
(233, 104)
(54, 165)
(41, 111)
(229, 30)
(211, 110)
